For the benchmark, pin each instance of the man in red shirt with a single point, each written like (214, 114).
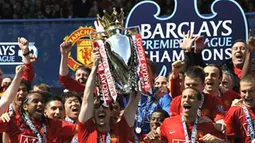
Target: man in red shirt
(227, 80)
(10, 93)
(25, 83)
(193, 56)
(81, 73)
(31, 125)
(186, 127)
(27, 78)
(240, 119)
(72, 105)
(95, 120)
(42, 87)
(212, 106)
(6, 82)
(213, 77)
(176, 78)
(54, 108)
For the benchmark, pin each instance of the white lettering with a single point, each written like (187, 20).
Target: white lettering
(180, 30)
(215, 27)
(12, 51)
(204, 29)
(7, 58)
(165, 57)
(207, 55)
(170, 27)
(226, 27)
(228, 53)
(171, 30)
(145, 31)
(158, 31)
(154, 56)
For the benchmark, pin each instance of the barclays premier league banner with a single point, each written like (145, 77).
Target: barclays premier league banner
(10, 53)
(226, 24)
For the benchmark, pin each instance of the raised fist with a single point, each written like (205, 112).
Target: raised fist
(20, 70)
(23, 44)
(65, 47)
(177, 67)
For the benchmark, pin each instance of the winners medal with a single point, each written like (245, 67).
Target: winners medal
(138, 130)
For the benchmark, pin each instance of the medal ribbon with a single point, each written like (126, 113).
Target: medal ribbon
(108, 138)
(143, 66)
(249, 122)
(11, 110)
(193, 133)
(74, 140)
(199, 110)
(33, 128)
(140, 119)
(69, 120)
(194, 129)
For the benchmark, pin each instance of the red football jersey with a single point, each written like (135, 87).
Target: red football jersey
(172, 130)
(238, 72)
(71, 84)
(235, 120)
(20, 132)
(212, 107)
(227, 99)
(174, 86)
(87, 132)
(64, 139)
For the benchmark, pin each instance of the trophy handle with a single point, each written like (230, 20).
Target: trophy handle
(131, 30)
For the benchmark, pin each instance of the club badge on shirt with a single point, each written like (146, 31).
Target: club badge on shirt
(220, 109)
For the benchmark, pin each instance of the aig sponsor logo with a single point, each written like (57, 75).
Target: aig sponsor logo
(10, 53)
(28, 139)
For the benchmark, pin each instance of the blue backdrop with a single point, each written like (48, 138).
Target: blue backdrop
(47, 35)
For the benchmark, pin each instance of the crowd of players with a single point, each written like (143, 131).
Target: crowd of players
(195, 103)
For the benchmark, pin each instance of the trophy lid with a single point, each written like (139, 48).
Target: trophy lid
(113, 21)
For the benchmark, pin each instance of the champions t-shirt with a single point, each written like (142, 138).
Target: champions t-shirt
(19, 131)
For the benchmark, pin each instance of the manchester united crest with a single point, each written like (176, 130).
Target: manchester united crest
(80, 40)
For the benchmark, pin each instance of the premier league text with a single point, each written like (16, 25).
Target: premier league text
(217, 33)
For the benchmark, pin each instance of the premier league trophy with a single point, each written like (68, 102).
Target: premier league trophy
(123, 60)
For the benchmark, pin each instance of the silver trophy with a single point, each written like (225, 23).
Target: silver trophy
(119, 48)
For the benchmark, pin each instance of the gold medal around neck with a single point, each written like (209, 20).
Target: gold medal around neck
(138, 130)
